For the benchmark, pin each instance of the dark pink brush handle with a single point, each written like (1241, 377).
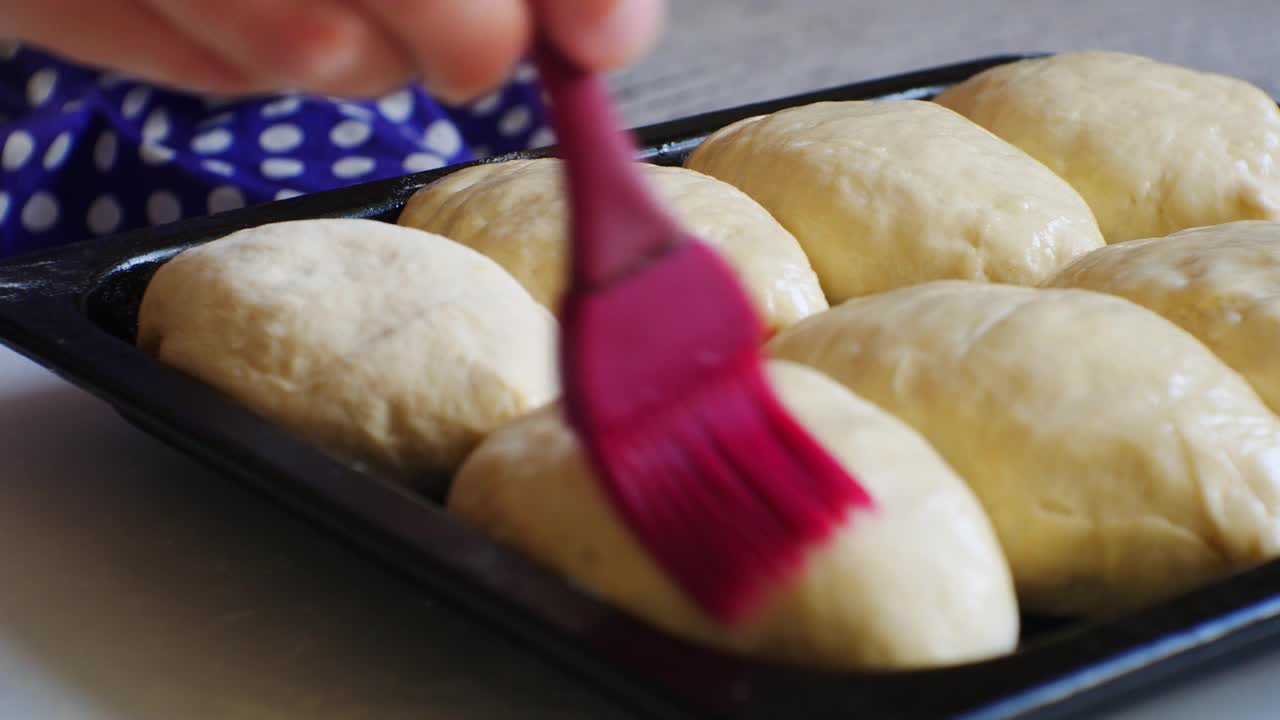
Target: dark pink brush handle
(664, 381)
(616, 222)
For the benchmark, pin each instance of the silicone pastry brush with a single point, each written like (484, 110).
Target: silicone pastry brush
(664, 381)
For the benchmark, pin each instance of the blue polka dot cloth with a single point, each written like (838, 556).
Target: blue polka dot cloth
(85, 153)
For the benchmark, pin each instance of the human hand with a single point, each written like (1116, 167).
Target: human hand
(458, 48)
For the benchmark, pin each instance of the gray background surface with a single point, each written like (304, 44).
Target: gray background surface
(718, 53)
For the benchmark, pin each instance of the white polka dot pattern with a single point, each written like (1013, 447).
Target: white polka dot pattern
(104, 152)
(350, 133)
(40, 213)
(525, 73)
(542, 137)
(58, 150)
(442, 138)
(486, 104)
(396, 107)
(218, 167)
(282, 168)
(147, 155)
(353, 167)
(155, 155)
(40, 86)
(422, 162)
(213, 142)
(163, 207)
(354, 111)
(281, 138)
(515, 121)
(135, 102)
(282, 108)
(156, 128)
(105, 215)
(17, 150)
(224, 198)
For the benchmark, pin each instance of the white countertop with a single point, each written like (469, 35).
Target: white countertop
(137, 585)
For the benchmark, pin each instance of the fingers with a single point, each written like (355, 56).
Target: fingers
(603, 34)
(465, 48)
(127, 37)
(462, 48)
(321, 46)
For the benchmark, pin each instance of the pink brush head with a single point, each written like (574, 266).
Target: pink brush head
(665, 385)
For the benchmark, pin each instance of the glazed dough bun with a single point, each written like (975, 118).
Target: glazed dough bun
(515, 212)
(1220, 283)
(385, 345)
(1119, 460)
(884, 194)
(1154, 148)
(918, 581)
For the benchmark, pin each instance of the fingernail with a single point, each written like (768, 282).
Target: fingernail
(329, 47)
(622, 34)
(449, 95)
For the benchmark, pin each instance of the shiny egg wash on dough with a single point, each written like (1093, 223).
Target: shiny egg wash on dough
(884, 194)
(1153, 147)
(385, 345)
(516, 213)
(1096, 444)
(920, 582)
(1120, 460)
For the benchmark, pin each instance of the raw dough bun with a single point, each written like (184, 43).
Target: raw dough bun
(1120, 460)
(1154, 148)
(384, 345)
(883, 194)
(918, 581)
(515, 213)
(1220, 283)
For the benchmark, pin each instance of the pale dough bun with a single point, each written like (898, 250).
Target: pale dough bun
(884, 194)
(1154, 148)
(1220, 283)
(1119, 459)
(515, 212)
(385, 345)
(918, 581)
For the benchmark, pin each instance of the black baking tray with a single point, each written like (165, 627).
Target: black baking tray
(73, 310)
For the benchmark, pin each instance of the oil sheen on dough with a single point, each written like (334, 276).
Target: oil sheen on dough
(918, 582)
(1220, 283)
(1154, 148)
(384, 345)
(1119, 459)
(884, 194)
(515, 213)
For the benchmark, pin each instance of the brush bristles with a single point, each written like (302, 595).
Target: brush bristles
(726, 490)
